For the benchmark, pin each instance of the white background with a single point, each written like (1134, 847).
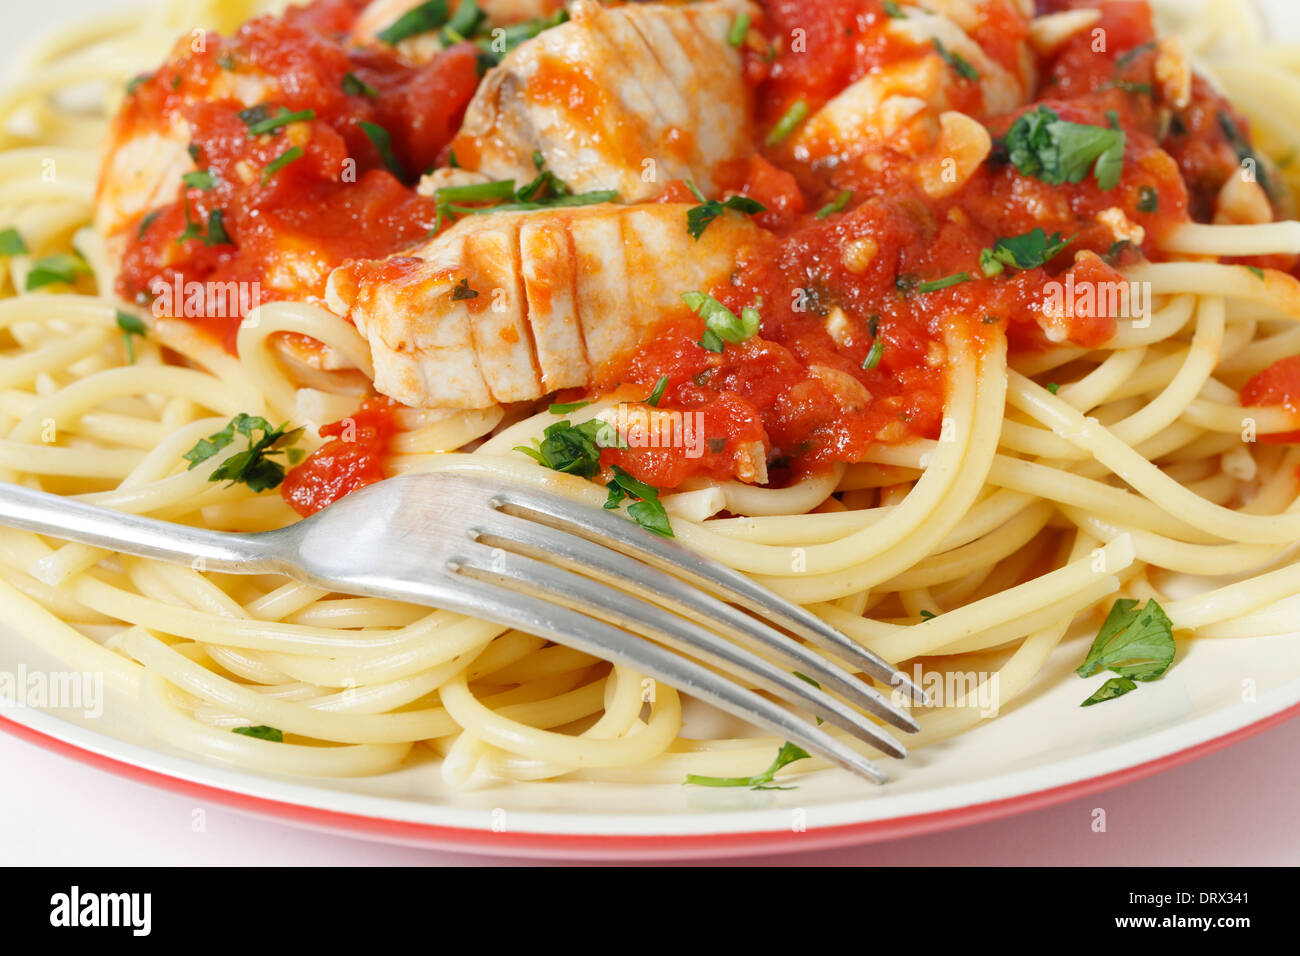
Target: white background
(1233, 807)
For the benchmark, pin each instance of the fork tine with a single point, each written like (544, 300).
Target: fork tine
(578, 554)
(614, 531)
(554, 585)
(595, 637)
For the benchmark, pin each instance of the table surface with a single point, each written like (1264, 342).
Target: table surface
(1235, 807)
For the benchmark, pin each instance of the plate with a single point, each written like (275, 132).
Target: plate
(1045, 749)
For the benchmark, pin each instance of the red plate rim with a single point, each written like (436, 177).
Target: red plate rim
(636, 847)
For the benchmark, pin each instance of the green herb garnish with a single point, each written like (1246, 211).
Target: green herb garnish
(131, 326)
(647, 511)
(1042, 145)
(788, 754)
(425, 18)
(956, 61)
(1135, 643)
(721, 324)
(254, 466)
(62, 267)
(261, 732)
(787, 124)
(699, 217)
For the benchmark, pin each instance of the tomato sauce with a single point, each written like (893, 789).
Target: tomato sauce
(352, 459)
(285, 228)
(862, 283)
(1278, 385)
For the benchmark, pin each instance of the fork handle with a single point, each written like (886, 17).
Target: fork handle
(74, 520)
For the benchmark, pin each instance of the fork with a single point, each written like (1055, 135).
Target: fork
(574, 574)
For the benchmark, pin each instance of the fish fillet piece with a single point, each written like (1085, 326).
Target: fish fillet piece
(624, 98)
(512, 306)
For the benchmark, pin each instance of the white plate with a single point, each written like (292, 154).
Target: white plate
(1044, 749)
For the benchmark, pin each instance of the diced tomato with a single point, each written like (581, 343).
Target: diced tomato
(1278, 385)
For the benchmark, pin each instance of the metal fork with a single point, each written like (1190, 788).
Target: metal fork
(580, 576)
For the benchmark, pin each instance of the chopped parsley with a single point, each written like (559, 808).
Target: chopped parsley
(739, 29)
(203, 179)
(1030, 251)
(1245, 152)
(568, 407)
(545, 192)
(260, 122)
(353, 85)
(504, 39)
(720, 323)
(1053, 387)
(383, 142)
(131, 326)
(892, 9)
(60, 268)
(1259, 273)
(261, 732)
(947, 282)
(787, 124)
(788, 754)
(699, 217)
(1148, 199)
(647, 511)
(290, 155)
(215, 235)
(1135, 643)
(572, 449)
(1115, 687)
(425, 18)
(146, 221)
(254, 466)
(463, 291)
(835, 205)
(464, 23)
(958, 62)
(873, 357)
(1042, 145)
(12, 244)
(657, 394)
(134, 83)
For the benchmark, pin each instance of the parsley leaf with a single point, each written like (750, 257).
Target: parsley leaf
(1042, 145)
(1134, 643)
(290, 155)
(720, 322)
(699, 217)
(261, 732)
(1148, 199)
(425, 18)
(787, 124)
(648, 511)
(947, 282)
(656, 396)
(12, 244)
(353, 85)
(1029, 251)
(956, 61)
(463, 291)
(62, 267)
(835, 205)
(383, 142)
(261, 122)
(253, 467)
(131, 326)
(788, 754)
(200, 179)
(1115, 687)
(573, 449)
